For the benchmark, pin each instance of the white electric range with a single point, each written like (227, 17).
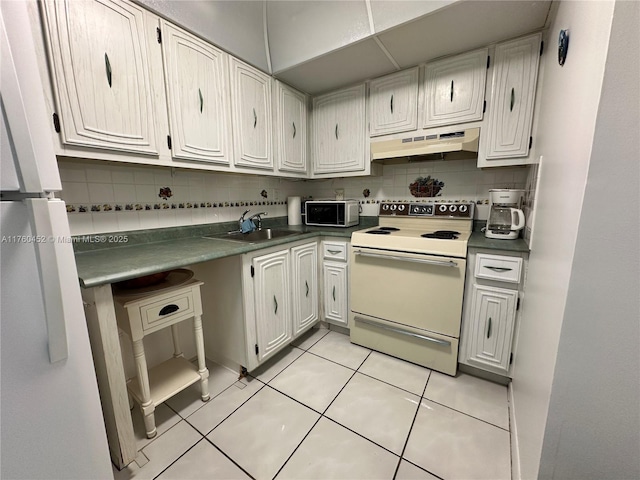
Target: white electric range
(407, 282)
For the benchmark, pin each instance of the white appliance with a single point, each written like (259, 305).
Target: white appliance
(52, 423)
(332, 213)
(407, 282)
(505, 217)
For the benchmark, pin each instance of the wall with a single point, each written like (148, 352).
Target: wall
(568, 108)
(593, 426)
(104, 197)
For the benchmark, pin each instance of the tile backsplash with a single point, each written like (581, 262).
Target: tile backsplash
(105, 197)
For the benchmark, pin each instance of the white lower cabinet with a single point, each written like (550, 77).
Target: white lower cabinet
(491, 322)
(304, 286)
(335, 275)
(255, 304)
(490, 309)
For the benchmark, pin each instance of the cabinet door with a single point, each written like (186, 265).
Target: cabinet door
(102, 75)
(339, 131)
(336, 294)
(304, 286)
(512, 96)
(454, 89)
(251, 100)
(291, 128)
(272, 302)
(196, 75)
(493, 312)
(393, 103)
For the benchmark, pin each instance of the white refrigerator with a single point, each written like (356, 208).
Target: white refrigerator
(51, 422)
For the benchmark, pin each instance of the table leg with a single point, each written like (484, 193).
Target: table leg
(147, 405)
(177, 351)
(202, 366)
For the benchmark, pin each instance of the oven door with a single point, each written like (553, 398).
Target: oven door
(420, 291)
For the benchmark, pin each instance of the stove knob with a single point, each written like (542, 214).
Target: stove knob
(385, 207)
(463, 208)
(453, 208)
(393, 207)
(442, 208)
(400, 208)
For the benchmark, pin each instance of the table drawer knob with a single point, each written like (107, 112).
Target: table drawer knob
(169, 309)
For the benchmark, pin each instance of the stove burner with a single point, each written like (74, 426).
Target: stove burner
(389, 229)
(379, 232)
(442, 234)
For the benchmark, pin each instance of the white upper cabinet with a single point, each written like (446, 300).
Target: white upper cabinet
(454, 89)
(291, 129)
(393, 103)
(339, 134)
(251, 108)
(197, 83)
(101, 70)
(513, 90)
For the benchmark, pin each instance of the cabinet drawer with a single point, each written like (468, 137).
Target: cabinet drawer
(166, 311)
(498, 267)
(335, 250)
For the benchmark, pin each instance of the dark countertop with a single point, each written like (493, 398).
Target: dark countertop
(112, 257)
(107, 258)
(478, 240)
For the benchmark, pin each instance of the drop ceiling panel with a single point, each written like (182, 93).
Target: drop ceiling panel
(219, 22)
(390, 13)
(462, 26)
(302, 30)
(347, 66)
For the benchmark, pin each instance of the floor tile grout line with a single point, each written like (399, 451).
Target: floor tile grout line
(229, 458)
(391, 384)
(466, 414)
(181, 455)
(234, 411)
(297, 447)
(406, 442)
(361, 436)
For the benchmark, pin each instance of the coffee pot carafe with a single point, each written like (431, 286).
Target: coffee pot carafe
(506, 219)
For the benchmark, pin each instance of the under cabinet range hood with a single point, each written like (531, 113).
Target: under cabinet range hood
(462, 144)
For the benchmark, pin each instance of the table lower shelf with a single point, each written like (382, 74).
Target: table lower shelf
(166, 379)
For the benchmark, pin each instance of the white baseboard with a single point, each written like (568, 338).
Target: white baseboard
(516, 474)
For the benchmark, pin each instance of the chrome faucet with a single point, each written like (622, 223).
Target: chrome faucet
(242, 219)
(258, 217)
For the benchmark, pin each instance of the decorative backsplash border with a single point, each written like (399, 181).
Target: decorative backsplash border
(136, 207)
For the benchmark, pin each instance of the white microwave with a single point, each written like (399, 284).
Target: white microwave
(332, 213)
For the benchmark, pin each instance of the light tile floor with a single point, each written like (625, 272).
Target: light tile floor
(327, 409)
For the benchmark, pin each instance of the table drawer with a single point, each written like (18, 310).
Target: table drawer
(498, 267)
(334, 250)
(166, 310)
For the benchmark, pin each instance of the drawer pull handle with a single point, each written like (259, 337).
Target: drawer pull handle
(166, 310)
(306, 285)
(391, 105)
(255, 118)
(201, 99)
(403, 332)
(334, 293)
(499, 269)
(489, 329)
(294, 129)
(275, 301)
(451, 91)
(334, 252)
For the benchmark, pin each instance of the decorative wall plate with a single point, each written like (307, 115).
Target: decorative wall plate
(563, 46)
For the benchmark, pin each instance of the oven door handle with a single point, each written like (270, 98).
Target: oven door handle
(403, 332)
(442, 263)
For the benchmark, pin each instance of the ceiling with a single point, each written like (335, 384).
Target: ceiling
(321, 45)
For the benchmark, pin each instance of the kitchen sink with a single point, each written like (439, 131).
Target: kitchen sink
(252, 237)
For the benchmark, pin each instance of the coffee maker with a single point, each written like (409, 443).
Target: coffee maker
(506, 219)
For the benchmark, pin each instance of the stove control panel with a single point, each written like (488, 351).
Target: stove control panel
(440, 210)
